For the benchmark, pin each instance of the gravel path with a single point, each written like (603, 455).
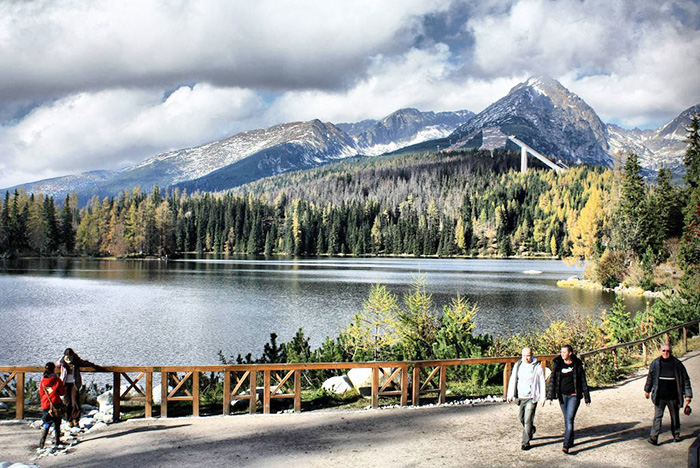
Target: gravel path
(612, 432)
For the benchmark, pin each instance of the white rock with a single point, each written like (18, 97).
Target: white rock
(105, 400)
(361, 377)
(86, 423)
(3, 405)
(7, 464)
(157, 397)
(338, 385)
(93, 413)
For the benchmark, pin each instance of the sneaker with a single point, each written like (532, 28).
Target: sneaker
(653, 440)
(525, 447)
(677, 437)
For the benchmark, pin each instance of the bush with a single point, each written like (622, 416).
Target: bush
(611, 268)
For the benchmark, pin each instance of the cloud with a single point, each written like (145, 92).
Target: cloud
(420, 78)
(114, 128)
(64, 47)
(633, 61)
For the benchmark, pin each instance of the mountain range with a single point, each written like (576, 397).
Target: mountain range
(540, 111)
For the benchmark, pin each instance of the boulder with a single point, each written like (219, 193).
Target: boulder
(3, 405)
(338, 385)
(157, 393)
(361, 377)
(106, 402)
(87, 423)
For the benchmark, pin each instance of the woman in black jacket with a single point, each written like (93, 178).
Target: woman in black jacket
(568, 385)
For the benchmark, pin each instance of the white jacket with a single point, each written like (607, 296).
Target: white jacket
(538, 388)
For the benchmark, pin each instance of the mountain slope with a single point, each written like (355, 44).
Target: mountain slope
(545, 115)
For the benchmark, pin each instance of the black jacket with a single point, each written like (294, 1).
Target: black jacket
(682, 379)
(580, 384)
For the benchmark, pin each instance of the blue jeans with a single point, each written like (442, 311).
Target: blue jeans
(569, 405)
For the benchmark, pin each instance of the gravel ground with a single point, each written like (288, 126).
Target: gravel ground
(611, 432)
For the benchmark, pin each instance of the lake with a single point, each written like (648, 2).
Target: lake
(137, 312)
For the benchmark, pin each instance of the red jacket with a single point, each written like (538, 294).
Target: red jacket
(54, 387)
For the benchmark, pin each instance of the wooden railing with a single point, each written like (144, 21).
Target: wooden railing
(283, 381)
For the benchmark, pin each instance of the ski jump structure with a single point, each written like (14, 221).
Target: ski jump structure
(559, 167)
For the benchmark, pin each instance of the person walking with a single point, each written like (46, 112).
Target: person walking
(668, 385)
(526, 387)
(70, 364)
(568, 385)
(51, 389)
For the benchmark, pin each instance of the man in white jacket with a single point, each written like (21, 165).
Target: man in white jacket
(526, 387)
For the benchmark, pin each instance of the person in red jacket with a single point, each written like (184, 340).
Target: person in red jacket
(51, 389)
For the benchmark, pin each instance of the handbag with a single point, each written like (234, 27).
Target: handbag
(55, 411)
(687, 410)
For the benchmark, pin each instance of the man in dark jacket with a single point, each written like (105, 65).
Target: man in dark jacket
(668, 383)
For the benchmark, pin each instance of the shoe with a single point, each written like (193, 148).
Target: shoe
(677, 437)
(565, 450)
(525, 447)
(653, 440)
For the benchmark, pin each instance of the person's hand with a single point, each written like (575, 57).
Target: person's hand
(687, 400)
(646, 395)
(509, 400)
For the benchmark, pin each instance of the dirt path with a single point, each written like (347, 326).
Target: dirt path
(611, 432)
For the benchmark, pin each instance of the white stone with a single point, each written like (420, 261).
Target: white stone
(157, 397)
(86, 423)
(105, 400)
(7, 464)
(361, 377)
(3, 405)
(93, 413)
(338, 385)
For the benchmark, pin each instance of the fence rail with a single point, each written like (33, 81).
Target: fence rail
(283, 381)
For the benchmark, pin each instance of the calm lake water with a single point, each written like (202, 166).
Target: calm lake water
(184, 311)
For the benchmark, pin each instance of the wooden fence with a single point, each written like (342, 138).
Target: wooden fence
(283, 381)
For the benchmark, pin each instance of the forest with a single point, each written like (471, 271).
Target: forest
(470, 203)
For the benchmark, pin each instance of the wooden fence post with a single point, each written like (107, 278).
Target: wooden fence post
(116, 395)
(149, 394)
(164, 394)
(416, 385)
(297, 391)
(442, 385)
(253, 401)
(614, 353)
(266, 391)
(195, 393)
(19, 394)
(404, 385)
(375, 387)
(506, 377)
(644, 352)
(227, 392)
(685, 340)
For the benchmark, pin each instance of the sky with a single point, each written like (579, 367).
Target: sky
(89, 85)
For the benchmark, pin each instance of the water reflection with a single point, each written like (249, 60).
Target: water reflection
(185, 311)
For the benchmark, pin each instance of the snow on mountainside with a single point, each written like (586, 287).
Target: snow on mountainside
(402, 128)
(548, 117)
(663, 147)
(260, 153)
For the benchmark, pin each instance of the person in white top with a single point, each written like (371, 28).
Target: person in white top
(526, 388)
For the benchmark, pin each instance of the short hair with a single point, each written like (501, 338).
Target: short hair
(569, 347)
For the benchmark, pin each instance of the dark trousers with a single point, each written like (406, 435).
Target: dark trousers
(72, 402)
(47, 419)
(569, 406)
(673, 409)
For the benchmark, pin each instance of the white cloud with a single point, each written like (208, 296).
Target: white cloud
(635, 62)
(67, 46)
(114, 128)
(419, 78)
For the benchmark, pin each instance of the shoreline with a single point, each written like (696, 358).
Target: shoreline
(575, 282)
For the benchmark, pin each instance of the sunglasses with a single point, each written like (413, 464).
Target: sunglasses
(665, 350)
